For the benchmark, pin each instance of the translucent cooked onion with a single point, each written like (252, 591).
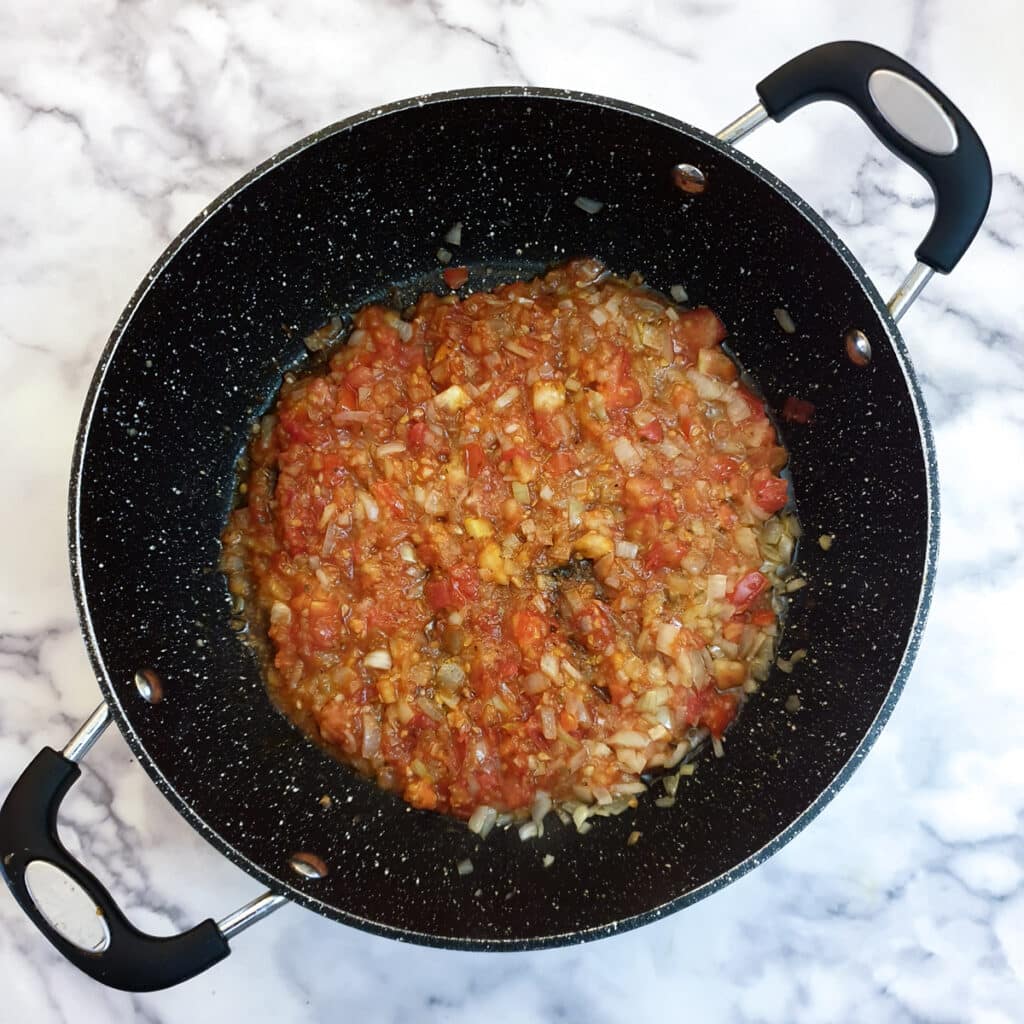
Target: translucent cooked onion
(482, 820)
(451, 675)
(589, 205)
(380, 659)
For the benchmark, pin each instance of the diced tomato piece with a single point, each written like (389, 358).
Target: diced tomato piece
(642, 492)
(382, 619)
(668, 552)
(719, 712)
(560, 463)
(727, 515)
(553, 429)
(721, 467)
(755, 403)
(473, 457)
(715, 362)
(696, 329)
(748, 590)
(439, 594)
(416, 436)
(457, 590)
(529, 630)
(796, 410)
(711, 708)
(765, 617)
(641, 527)
(324, 624)
(684, 398)
(347, 397)
(652, 431)
(387, 496)
(617, 689)
(421, 794)
(359, 377)
(620, 391)
(769, 492)
(593, 625)
(455, 277)
(517, 451)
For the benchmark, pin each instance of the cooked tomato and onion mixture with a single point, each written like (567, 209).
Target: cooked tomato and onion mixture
(516, 550)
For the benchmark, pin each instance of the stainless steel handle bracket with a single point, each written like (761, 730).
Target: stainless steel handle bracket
(913, 284)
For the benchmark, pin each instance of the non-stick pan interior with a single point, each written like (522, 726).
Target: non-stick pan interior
(346, 215)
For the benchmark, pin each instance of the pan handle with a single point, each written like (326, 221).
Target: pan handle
(115, 953)
(912, 118)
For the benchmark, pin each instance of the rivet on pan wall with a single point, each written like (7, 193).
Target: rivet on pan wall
(858, 348)
(309, 865)
(689, 178)
(148, 683)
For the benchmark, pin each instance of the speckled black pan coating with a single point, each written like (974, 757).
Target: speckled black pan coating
(327, 226)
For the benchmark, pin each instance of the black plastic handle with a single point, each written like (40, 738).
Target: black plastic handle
(961, 180)
(133, 961)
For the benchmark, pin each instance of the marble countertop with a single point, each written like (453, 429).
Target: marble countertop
(904, 900)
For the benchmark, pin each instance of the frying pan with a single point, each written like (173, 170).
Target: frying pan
(355, 213)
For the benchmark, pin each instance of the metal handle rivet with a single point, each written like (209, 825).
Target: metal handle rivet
(148, 683)
(688, 178)
(858, 348)
(309, 865)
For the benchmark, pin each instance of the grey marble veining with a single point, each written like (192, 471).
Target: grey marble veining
(904, 900)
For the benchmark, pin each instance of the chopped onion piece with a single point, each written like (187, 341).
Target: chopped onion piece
(549, 666)
(547, 722)
(370, 507)
(536, 682)
(452, 399)
(378, 659)
(629, 738)
(519, 350)
(589, 205)
(626, 454)
(528, 830)
(454, 235)
(626, 549)
(678, 293)
(785, 320)
(482, 820)
(451, 675)
(391, 448)
(280, 614)
(717, 584)
(444, 256)
(506, 397)
(464, 867)
(666, 639)
(371, 734)
(541, 807)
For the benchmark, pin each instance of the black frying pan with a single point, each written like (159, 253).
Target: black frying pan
(347, 216)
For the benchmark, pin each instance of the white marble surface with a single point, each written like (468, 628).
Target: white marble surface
(905, 899)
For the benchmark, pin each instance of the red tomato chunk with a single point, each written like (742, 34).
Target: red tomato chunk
(515, 544)
(796, 410)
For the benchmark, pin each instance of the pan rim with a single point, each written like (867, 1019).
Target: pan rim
(291, 889)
